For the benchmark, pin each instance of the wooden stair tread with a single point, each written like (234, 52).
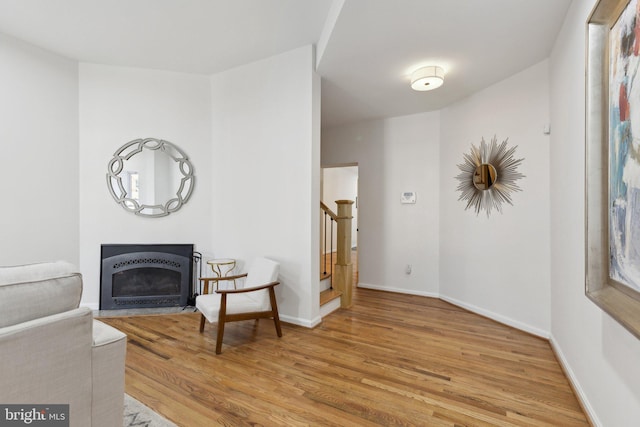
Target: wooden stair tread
(329, 295)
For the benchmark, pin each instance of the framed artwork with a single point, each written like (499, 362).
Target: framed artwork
(613, 160)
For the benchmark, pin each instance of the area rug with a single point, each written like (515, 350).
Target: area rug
(137, 414)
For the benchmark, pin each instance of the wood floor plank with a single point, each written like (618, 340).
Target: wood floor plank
(391, 359)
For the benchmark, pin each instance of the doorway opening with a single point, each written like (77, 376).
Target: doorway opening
(339, 182)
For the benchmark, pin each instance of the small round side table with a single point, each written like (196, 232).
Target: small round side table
(222, 268)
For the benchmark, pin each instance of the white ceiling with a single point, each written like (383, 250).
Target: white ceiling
(366, 48)
(376, 44)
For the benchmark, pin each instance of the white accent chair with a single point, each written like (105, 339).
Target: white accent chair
(256, 300)
(52, 352)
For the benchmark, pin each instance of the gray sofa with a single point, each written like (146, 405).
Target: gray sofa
(52, 352)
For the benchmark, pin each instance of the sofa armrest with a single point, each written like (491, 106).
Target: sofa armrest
(48, 361)
(29, 292)
(107, 366)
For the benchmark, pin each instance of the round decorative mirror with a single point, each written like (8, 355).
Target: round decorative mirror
(489, 175)
(150, 177)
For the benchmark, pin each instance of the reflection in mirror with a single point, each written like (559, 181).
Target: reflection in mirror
(150, 177)
(484, 176)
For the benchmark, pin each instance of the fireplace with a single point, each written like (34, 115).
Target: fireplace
(138, 276)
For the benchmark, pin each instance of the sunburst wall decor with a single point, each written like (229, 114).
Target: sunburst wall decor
(489, 175)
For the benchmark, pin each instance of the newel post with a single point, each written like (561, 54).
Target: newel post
(343, 280)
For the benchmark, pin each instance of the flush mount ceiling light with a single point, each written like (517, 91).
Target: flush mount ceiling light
(427, 78)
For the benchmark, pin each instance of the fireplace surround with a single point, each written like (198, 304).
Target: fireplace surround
(145, 275)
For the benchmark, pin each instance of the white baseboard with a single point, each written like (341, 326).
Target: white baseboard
(486, 313)
(289, 319)
(301, 322)
(92, 305)
(398, 290)
(329, 307)
(497, 317)
(580, 394)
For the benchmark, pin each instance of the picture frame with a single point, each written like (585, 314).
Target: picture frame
(607, 117)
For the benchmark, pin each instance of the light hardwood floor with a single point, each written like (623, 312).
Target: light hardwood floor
(392, 359)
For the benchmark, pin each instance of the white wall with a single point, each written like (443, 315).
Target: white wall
(39, 140)
(340, 183)
(265, 163)
(118, 105)
(393, 155)
(362, 144)
(601, 356)
(499, 266)
(265, 138)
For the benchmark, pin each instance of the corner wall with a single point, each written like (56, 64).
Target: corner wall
(39, 138)
(393, 156)
(498, 266)
(120, 104)
(601, 357)
(265, 163)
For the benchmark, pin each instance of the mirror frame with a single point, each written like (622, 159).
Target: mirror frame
(130, 149)
(495, 156)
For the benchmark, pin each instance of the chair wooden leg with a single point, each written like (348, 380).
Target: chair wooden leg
(202, 319)
(221, 318)
(219, 338)
(274, 310)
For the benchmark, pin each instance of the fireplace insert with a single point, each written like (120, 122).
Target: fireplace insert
(141, 275)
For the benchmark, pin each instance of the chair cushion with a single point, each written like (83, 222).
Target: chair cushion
(262, 271)
(209, 304)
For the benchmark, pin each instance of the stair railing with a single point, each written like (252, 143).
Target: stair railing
(343, 279)
(329, 217)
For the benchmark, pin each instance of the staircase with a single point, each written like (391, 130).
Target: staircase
(329, 300)
(329, 297)
(336, 269)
